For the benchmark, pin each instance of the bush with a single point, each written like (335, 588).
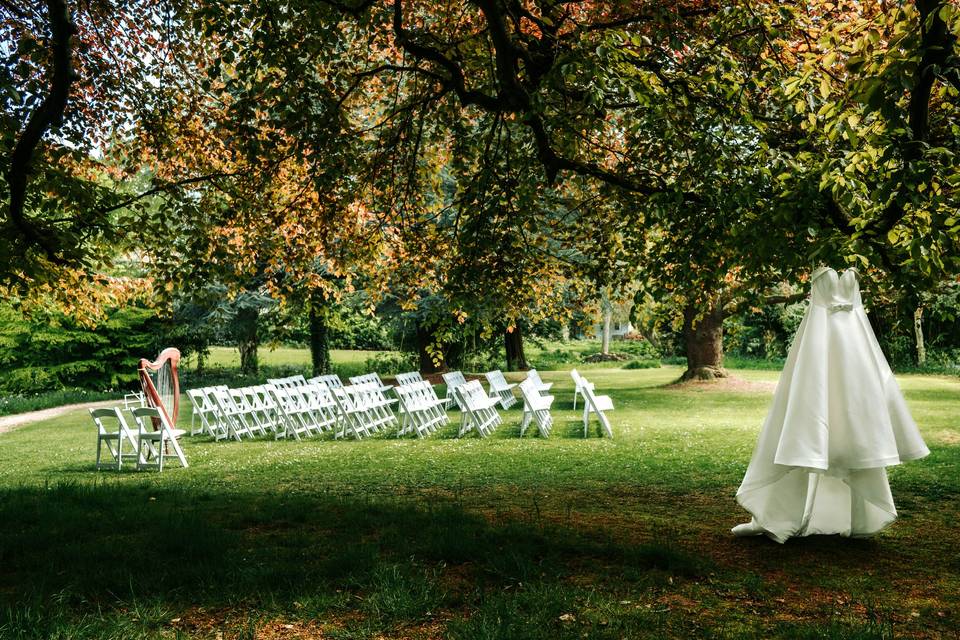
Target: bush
(392, 363)
(642, 364)
(550, 360)
(53, 352)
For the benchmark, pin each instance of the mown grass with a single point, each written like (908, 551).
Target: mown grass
(499, 538)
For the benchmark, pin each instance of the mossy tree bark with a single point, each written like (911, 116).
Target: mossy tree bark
(703, 335)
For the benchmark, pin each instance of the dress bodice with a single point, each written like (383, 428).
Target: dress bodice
(834, 291)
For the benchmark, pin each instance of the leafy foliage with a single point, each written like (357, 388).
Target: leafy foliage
(51, 352)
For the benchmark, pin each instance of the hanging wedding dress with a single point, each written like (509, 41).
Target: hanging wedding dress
(838, 420)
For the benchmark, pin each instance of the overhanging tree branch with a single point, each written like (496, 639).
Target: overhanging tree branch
(48, 116)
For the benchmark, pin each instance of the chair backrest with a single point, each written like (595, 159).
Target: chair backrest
(578, 379)
(153, 413)
(472, 394)
(454, 379)
(408, 378)
(496, 379)
(534, 375)
(367, 378)
(529, 391)
(111, 413)
(330, 381)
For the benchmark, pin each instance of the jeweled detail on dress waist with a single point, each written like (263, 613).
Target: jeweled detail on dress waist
(835, 307)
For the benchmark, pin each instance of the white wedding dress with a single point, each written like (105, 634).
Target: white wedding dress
(838, 420)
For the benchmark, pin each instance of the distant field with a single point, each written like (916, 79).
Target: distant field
(280, 356)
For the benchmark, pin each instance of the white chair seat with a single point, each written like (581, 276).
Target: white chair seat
(604, 403)
(159, 435)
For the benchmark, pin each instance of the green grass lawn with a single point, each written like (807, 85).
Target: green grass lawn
(469, 539)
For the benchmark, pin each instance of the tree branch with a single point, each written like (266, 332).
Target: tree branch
(165, 188)
(49, 115)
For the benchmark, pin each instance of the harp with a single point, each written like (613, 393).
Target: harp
(161, 384)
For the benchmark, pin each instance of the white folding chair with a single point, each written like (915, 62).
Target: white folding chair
(480, 410)
(355, 413)
(371, 378)
(247, 410)
(593, 403)
(579, 382)
(500, 388)
(453, 379)
(330, 381)
(536, 408)
(408, 378)
(267, 407)
(135, 399)
(320, 402)
(292, 412)
(115, 440)
(538, 382)
(204, 412)
(423, 411)
(237, 422)
(371, 397)
(160, 438)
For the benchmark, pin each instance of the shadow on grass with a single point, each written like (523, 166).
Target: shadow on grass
(107, 560)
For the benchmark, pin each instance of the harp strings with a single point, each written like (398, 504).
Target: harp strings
(164, 386)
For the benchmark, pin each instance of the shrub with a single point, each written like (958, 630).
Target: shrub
(642, 364)
(391, 363)
(53, 352)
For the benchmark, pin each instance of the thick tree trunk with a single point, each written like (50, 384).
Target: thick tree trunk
(248, 339)
(426, 351)
(918, 333)
(704, 341)
(319, 339)
(513, 344)
(607, 311)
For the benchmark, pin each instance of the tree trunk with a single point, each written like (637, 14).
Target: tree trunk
(918, 332)
(607, 311)
(248, 339)
(704, 341)
(201, 361)
(427, 350)
(513, 343)
(319, 339)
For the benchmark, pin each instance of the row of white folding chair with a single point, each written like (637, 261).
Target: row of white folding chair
(370, 378)
(150, 444)
(536, 408)
(409, 377)
(230, 413)
(592, 403)
(288, 410)
(480, 410)
(500, 388)
(304, 410)
(423, 412)
(453, 380)
(363, 410)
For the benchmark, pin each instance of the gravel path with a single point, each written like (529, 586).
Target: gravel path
(9, 423)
